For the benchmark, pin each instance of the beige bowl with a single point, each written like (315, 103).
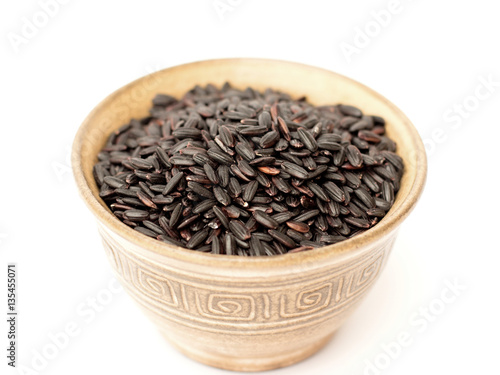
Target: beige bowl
(246, 314)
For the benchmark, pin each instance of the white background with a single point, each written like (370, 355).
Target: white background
(428, 59)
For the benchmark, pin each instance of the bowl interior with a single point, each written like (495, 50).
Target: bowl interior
(318, 85)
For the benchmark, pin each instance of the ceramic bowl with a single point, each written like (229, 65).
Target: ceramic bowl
(246, 314)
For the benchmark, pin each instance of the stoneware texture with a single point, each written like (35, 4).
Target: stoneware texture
(246, 314)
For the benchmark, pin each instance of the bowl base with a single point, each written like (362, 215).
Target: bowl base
(250, 364)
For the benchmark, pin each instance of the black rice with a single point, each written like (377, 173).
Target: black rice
(249, 173)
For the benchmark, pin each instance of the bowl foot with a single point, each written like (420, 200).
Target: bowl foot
(249, 364)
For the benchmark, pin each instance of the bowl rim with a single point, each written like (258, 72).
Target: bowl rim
(349, 247)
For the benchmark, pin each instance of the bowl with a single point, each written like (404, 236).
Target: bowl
(246, 314)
